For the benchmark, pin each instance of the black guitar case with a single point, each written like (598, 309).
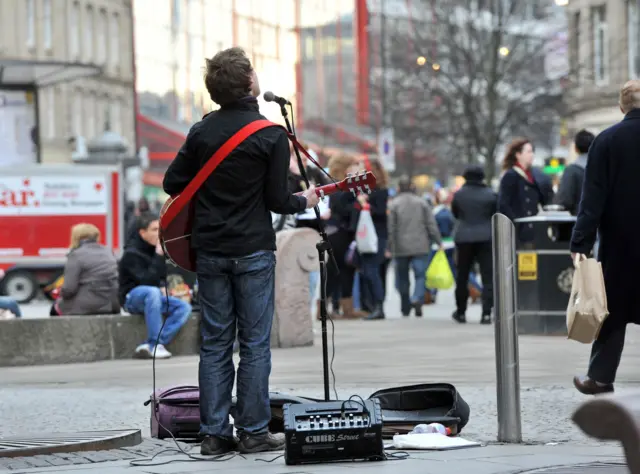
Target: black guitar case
(405, 407)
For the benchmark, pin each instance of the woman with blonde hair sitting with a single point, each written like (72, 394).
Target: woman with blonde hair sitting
(90, 276)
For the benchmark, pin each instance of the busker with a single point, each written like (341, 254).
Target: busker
(610, 195)
(235, 242)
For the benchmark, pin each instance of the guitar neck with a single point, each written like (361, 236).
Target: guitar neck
(325, 190)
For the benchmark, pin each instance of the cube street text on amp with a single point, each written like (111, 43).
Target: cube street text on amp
(333, 431)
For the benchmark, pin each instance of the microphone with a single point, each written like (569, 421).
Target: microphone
(271, 97)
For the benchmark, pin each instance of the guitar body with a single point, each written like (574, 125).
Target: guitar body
(175, 235)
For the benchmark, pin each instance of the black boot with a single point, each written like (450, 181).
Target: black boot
(486, 318)
(459, 317)
(418, 309)
(378, 313)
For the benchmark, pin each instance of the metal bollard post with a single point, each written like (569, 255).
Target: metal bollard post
(506, 329)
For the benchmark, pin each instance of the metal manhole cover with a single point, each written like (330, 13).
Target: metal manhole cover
(68, 442)
(593, 468)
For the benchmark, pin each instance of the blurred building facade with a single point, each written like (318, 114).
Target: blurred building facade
(172, 40)
(69, 65)
(604, 54)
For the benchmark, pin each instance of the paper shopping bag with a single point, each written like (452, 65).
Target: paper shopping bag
(439, 274)
(587, 308)
(366, 237)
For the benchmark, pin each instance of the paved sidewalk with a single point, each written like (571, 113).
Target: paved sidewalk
(482, 460)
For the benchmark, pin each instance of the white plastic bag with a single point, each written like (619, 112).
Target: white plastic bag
(366, 237)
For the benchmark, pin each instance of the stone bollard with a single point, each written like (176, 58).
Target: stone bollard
(296, 257)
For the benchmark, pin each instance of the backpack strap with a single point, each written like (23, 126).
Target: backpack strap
(212, 163)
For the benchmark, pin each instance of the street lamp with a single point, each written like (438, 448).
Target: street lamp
(436, 66)
(421, 60)
(504, 51)
(562, 3)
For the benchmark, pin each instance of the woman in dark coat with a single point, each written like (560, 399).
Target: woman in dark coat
(371, 264)
(524, 190)
(344, 219)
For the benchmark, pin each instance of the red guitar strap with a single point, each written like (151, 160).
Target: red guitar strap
(301, 149)
(231, 144)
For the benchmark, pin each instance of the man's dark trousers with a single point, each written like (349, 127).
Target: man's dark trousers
(235, 294)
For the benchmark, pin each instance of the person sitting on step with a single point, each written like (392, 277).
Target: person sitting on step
(142, 272)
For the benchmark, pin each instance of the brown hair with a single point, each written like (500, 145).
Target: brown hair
(382, 177)
(339, 164)
(228, 76)
(83, 232)
(515, 147)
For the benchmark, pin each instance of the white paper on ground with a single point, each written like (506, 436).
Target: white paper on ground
(431, 441)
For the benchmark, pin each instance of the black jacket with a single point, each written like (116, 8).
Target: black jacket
(473, 206)
(609, 206)
(570, 188)
(232, 207)
(378, 207)
(140, 265)
(344, 213)
(519, 198)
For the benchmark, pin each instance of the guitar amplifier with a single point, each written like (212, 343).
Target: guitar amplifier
(333, 431)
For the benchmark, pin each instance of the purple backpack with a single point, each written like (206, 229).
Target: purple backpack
(175, 410)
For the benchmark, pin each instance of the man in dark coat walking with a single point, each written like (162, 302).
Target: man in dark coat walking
(609, 198)
(570, 188)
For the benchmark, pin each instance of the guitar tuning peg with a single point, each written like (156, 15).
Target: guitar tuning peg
(353, 191)
(367, 189)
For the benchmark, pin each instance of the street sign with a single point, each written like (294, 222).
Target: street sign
(387, 149)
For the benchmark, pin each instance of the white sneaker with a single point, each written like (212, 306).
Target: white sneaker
(143, 351)
(160, 352)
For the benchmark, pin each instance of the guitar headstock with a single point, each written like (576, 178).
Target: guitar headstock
(360, 183)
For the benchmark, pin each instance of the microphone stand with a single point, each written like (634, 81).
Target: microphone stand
(324, 248)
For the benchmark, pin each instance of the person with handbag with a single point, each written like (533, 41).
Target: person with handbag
(610, 195)
(412, 228)
(235, 244)
(371, 284)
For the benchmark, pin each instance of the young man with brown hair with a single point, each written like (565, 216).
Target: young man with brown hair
(235, 245)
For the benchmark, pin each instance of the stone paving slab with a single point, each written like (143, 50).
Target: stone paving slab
(484, 460)
(148, 448)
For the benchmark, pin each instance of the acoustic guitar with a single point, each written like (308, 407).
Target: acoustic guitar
(175, 228)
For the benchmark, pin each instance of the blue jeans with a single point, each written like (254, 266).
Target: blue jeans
(150, 301)
(418, 264)
(11, 305)
(235, 293)
(313, 284)
(370, 273)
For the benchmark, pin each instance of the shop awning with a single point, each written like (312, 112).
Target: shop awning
(28, 73)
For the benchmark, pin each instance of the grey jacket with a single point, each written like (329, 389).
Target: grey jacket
(570, 189)
(90, 281)
(412, 227)
(473, 206)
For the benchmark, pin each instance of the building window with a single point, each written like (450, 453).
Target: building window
(101, 40)
(575, 47)
(77, 114)
(51, 112)
(88, 34)
(47, 26)
(600, 40)
(633, 38)
(115, 116)
(114, 35)
(74, 31)
(90, 116)
(31, 23)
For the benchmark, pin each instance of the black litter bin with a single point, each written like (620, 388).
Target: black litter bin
(544, 273)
